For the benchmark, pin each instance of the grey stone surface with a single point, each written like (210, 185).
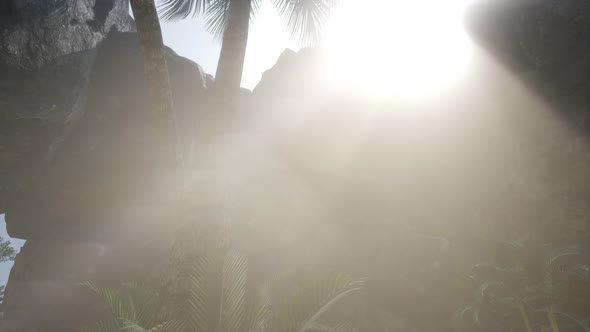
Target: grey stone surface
(295, 74)
(90, 176)
(33, 33)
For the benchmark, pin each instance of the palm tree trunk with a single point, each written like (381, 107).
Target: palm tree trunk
(233, 49)
(156, 75)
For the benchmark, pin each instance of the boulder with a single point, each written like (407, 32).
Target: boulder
(295, 74)
(33, 33)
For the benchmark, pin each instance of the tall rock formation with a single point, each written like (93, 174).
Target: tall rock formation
(33, 33)
(81, 178)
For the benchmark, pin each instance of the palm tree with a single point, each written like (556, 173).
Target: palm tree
(156, 74)
(219, 301)
(228, 20)
(155, 69)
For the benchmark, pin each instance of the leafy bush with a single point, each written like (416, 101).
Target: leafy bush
(538, 287)
(218, 299)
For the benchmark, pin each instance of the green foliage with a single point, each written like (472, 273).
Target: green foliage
(135, 306)
(303, 18)
(219, 300)
(545, 287)
(312, 301)
(7, 253)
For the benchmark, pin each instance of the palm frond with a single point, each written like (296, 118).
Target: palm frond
(170, 326)
(182, 9)
(255, 8)
(217, 18)
(464, 317)
(309, 303)
(109, 325)
(322, 327)
(120, 309)
(233, 294)
(128, 326)
(259, 311)
(216, 12)
(305, 18)
(144, 301)
(205, 293)
(552, 266)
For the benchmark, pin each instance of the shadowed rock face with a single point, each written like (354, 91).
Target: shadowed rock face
(87, 186)
(290, 76)
(33, 33)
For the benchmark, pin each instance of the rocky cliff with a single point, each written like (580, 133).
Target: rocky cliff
(76, 131)
(34, 33)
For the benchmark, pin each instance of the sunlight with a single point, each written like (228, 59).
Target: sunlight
(397, 47)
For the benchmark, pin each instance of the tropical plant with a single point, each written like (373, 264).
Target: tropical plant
(7, 252)
(228, 20)
(546, 287)
(219, 299)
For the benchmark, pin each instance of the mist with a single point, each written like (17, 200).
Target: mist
(393, 178)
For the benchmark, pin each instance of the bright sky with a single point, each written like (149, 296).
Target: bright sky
(17, 244)
(267, 40)
(399, 46)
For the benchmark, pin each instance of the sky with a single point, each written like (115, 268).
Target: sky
(16, 243)
(267, 40)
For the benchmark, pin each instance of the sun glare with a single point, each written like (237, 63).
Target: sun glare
(397, 47)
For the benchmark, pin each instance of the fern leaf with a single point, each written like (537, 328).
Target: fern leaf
(120, 309)
(144, 302)
(233, 294)
(311, 302)
(205, 293)
(170, 326)
(259, 311)
(110, 325)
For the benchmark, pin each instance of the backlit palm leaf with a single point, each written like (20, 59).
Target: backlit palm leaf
(309, 303)
(170, 326)
(181, 9)
(217, 18)
(205, 293)
(259, 311)
(552, 265)
(110, 325)
(216, 12)
(144, 301)
(120, 308)
(233, 294)
(218, 293)
(305, 18)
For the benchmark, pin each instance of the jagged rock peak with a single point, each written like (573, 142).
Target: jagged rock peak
(33, 32)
